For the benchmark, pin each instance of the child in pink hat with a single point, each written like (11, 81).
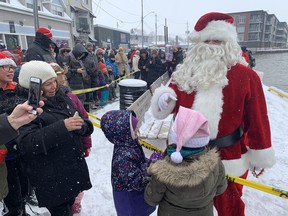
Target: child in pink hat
(191, 174)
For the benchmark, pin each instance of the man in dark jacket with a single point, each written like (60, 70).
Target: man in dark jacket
(40, 48)
(91, 66)
(77, 72)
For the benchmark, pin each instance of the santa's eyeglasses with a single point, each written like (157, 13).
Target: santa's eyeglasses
(8, 67)
(213, 42)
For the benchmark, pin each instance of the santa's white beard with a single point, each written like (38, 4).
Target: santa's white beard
(206, 65)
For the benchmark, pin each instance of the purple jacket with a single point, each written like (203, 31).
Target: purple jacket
(129, 165)
(86, 141)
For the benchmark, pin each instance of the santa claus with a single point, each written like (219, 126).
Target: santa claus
(215, 80)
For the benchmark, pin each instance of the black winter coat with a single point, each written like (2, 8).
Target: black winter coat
(39, 49)
(75, 79)
(9, 99)
(91, 66)
(53, 157)
(154, 68)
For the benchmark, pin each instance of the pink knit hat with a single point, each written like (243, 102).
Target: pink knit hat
(190, 129)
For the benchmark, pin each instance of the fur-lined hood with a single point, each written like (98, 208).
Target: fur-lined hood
(186, 173)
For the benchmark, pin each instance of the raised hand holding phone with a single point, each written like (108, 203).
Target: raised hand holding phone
(74, 123)
(34, 93)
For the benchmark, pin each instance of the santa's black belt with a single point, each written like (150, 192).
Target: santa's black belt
(226, 141)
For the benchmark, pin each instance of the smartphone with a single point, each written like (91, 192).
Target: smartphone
(34, 93)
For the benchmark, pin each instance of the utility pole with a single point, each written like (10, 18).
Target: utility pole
(35, 13)
(187, 35)
(165, 34)
(156, 29)
(142, 35)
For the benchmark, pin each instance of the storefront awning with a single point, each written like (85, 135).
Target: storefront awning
(92, 39)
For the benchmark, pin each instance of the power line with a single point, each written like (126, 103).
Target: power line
(122, 9)
(101, 8)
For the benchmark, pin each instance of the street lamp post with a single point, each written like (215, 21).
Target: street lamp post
(142, 20)
(142, 23)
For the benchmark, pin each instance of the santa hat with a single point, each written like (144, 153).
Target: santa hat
(45, 31)
(39, 69)
(100, 51)
(214, 26)
(6, 60)
(190, 129)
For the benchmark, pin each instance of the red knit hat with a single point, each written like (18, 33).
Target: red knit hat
(45, 31)
(214, 26)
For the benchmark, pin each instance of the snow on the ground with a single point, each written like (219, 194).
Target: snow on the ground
(98, 200)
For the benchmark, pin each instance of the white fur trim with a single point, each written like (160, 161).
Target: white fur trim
(7, 61)
(192, 143)
(157, 113)
(197, 142)
(236, 167)
(216, 30)
(262, 158)
(202, 102)
(176, 157)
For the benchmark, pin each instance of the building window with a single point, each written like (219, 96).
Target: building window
(3, 1)
(253, 36)
(11, 41)
(12, 27)
(255, 18)
(123, 38)
(57, 10)
(85, 2)
(240, 29)
(240, 37)
(241, 19)
(254, 27)
(30, 3)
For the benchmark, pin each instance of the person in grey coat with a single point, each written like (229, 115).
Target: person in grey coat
(185, 182)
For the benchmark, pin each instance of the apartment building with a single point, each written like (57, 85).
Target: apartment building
(260, 30)
(111, 37)
(67, 19)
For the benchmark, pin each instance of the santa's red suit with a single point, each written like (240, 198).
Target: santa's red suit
(240, 102)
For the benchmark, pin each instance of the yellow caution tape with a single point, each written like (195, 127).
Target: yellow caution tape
(82, 91)
(93, 116)
(149, 146)
(258, 186)
(245, 182)
(278, 92)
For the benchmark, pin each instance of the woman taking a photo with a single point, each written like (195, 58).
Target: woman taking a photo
(51, 144)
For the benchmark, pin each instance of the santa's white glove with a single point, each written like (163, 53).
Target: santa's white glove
(164, 100)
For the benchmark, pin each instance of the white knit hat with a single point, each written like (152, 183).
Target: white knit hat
(6, 60)
(39, 69)
(214, 26)
(190, 129)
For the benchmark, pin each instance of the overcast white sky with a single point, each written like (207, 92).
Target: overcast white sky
(127, 13)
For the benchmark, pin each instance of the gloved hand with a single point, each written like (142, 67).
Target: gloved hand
(87, 152)
(256, 171)
(164, 100)
(156, 156)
